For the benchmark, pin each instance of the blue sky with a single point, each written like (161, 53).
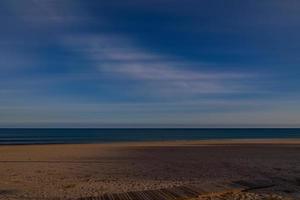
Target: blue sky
(159, 63)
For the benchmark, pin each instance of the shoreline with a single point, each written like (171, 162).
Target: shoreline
(266, 141)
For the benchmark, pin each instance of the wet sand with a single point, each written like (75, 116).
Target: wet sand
(79, 170)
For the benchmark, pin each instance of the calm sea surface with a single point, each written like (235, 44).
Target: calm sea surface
(50, 136)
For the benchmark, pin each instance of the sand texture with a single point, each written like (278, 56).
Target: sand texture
(82, 170)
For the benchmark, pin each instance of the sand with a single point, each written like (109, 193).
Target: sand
(79, 170)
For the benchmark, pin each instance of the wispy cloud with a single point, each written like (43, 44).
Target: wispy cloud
(46, 12)
(120, 57)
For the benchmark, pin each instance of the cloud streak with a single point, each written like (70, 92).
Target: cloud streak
(122, 58)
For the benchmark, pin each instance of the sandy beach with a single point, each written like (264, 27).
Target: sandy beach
(71, 171)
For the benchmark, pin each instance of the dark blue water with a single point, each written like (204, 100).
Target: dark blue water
(53, 136)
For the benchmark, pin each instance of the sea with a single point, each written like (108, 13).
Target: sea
(106, 135)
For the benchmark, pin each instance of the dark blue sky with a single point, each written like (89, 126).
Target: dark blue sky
(159, 63)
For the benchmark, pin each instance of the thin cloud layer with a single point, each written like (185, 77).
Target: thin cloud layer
(121, 58)
(131, 63)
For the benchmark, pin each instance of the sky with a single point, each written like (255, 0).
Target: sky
(158, 63)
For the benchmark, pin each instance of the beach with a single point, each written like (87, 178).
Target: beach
(71, 171)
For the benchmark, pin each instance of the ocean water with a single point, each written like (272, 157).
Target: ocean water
(57, 136)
